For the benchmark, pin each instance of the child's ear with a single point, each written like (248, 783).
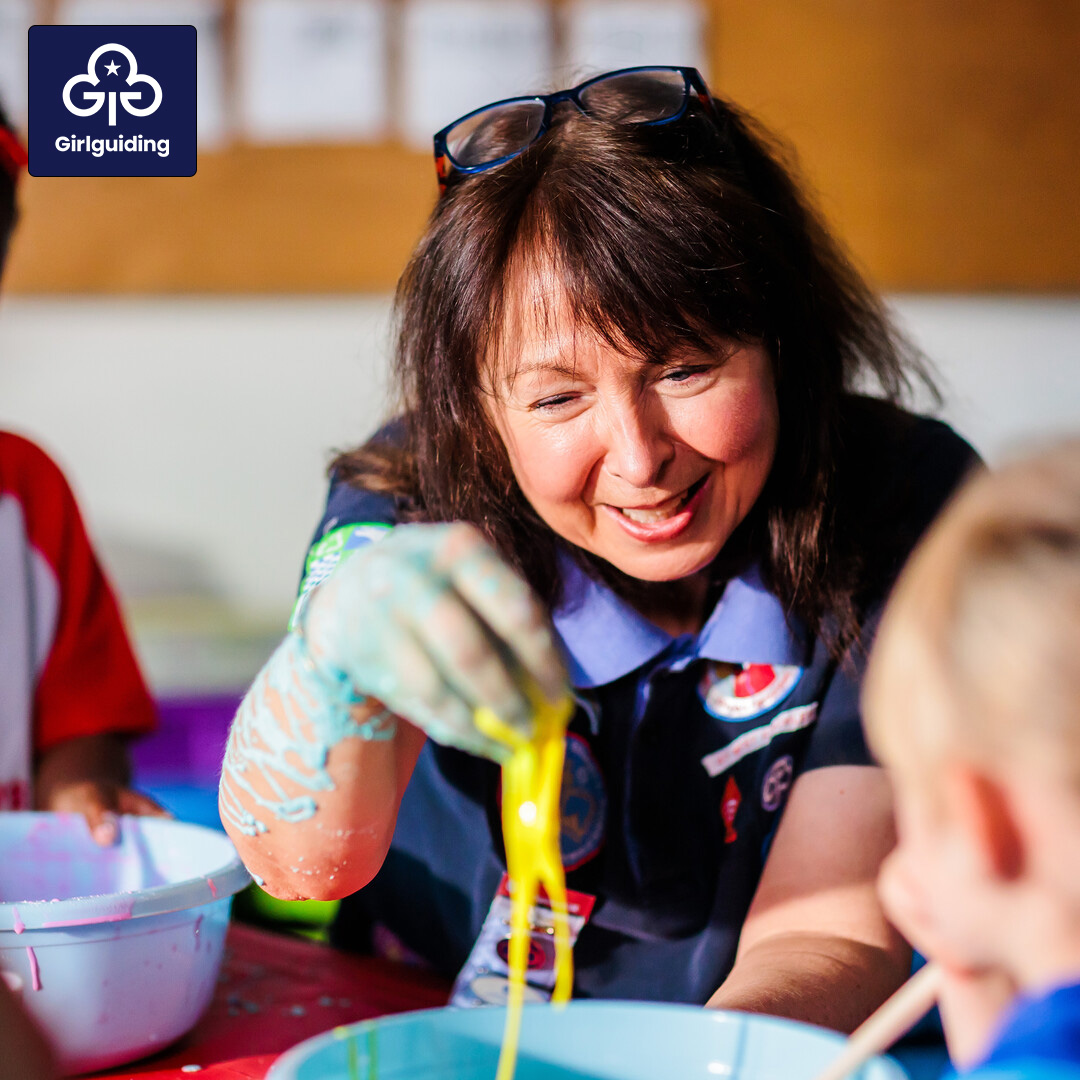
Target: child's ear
(984, 812)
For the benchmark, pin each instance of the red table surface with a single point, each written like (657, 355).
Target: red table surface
(275, 991)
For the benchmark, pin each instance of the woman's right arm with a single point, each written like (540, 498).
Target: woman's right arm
(402, 642)
(311, 784)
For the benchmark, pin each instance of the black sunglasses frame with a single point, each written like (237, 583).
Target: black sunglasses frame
(446, 166)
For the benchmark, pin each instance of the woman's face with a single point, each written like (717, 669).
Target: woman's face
(648, 466)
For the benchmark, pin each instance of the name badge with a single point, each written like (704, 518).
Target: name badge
(485, 978)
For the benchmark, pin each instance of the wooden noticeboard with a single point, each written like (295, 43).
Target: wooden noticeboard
(942, 138)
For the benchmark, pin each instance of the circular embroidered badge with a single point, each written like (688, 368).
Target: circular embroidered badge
(777, 781)
(745, 691)
(584, 804)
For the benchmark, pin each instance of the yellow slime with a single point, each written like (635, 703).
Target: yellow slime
(531, 783)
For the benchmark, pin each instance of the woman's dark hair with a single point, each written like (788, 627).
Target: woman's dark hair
(660, 237)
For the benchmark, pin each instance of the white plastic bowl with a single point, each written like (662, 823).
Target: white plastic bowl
(114, 951)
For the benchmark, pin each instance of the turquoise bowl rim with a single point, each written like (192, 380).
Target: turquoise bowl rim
(286, 1065)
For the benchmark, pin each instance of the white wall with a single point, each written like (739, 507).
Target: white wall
(197, 431)
(1010, 366)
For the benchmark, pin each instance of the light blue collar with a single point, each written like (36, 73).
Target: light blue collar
(605, 638)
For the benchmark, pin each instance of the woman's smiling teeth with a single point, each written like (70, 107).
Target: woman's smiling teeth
(660, 511)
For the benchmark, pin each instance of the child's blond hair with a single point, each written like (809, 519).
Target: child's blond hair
(989, 609)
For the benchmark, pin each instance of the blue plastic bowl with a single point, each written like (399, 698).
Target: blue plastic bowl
(587, 1040)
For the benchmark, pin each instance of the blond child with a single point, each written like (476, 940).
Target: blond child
(972, 701)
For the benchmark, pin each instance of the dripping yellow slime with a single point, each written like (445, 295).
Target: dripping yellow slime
(531, 783)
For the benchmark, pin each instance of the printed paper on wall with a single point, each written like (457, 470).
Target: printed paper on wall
(457, 55)
(312, 70)
(601, 35)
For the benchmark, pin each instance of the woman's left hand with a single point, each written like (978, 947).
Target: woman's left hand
(816, 945)
(89, 775)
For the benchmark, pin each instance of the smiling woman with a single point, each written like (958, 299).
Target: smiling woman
(648, 465)
(629, 458)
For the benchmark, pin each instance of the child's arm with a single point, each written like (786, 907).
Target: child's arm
(88, 693)
(90, 775)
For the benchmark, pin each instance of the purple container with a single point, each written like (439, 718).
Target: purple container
(189, 744)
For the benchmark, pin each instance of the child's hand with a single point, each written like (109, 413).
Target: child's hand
(973, 997)
(100, 803)
(909, 908)
(90, 776)
(971, 1007)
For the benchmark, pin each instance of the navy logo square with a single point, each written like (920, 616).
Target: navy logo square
(112, 101)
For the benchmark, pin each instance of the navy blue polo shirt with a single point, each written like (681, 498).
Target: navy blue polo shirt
(680, 756)
(1039, 1040)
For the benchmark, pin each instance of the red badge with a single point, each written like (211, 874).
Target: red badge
(729, 807)
(753, 679)
(745, 691)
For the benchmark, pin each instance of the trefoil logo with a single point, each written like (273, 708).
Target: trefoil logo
(112, 101)
(128, 98)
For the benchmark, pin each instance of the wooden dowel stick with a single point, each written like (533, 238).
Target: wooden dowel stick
(895, 1018)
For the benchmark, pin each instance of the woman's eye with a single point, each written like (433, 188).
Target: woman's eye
(684, 374)
(552, 403)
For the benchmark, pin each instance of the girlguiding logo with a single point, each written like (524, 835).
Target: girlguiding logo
(112, 101)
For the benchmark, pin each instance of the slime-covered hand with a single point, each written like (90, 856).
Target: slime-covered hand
(432, 623)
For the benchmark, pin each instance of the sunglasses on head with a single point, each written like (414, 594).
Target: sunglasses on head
(496, 133)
